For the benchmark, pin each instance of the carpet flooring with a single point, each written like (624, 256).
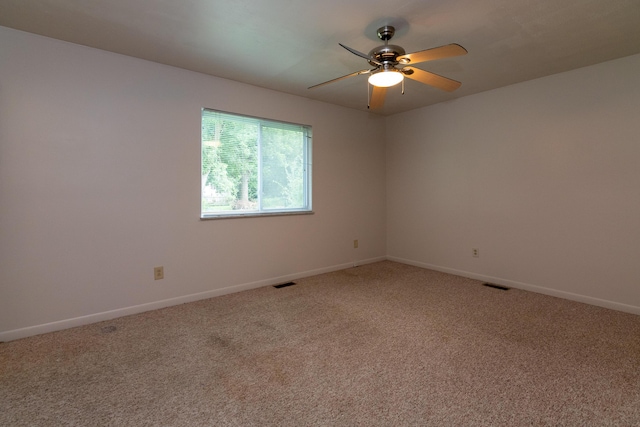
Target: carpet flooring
(383, 344)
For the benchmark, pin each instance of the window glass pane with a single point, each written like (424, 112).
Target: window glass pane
(229, 164)
(253, 166)
(282, 168)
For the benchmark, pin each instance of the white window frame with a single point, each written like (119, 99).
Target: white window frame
(260, 210)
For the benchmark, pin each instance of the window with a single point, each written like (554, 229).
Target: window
(254, 166)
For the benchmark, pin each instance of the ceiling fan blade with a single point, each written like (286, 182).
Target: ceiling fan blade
(357, 73)
(446, 51)
(431, 79)
(363, 55)
(377, 97)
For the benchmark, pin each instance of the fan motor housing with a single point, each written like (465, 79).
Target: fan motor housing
(386, 53)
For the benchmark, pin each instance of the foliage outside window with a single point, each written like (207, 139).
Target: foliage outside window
(254, 166)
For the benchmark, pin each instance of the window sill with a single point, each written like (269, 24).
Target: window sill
(253, 215)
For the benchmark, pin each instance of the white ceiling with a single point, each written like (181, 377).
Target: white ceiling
(289, 45)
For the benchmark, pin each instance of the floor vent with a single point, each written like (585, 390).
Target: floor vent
(491, 285)
(284, 285)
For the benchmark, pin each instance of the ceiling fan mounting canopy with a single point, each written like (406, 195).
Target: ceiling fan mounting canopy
(391, 65)
(386, 32)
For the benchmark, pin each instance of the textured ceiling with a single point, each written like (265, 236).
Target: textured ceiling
(289, 45)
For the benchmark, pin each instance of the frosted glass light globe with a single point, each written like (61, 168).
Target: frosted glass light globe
(386, 78)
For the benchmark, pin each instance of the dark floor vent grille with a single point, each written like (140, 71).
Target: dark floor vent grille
(284, 285)
(491, 285)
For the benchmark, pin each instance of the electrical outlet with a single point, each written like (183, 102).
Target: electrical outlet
(158, 273)
(355, 244)
(475, 252)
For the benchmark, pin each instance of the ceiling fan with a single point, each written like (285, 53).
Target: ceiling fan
(391, 64)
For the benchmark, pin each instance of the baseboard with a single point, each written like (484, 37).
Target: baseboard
(112, 314)
(108, 315)
(368, 261)
(613, 305)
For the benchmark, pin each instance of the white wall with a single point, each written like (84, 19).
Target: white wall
(543, 177)
(100, 181)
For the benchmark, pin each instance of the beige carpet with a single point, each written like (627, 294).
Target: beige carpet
(384, 344)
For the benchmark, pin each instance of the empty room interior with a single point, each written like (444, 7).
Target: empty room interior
(522, 174)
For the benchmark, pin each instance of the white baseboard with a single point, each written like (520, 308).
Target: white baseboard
(613, 305)
(368, 261)
(112, 314)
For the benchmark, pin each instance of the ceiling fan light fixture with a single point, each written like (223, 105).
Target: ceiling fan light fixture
(386, 78)
(389, 67)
